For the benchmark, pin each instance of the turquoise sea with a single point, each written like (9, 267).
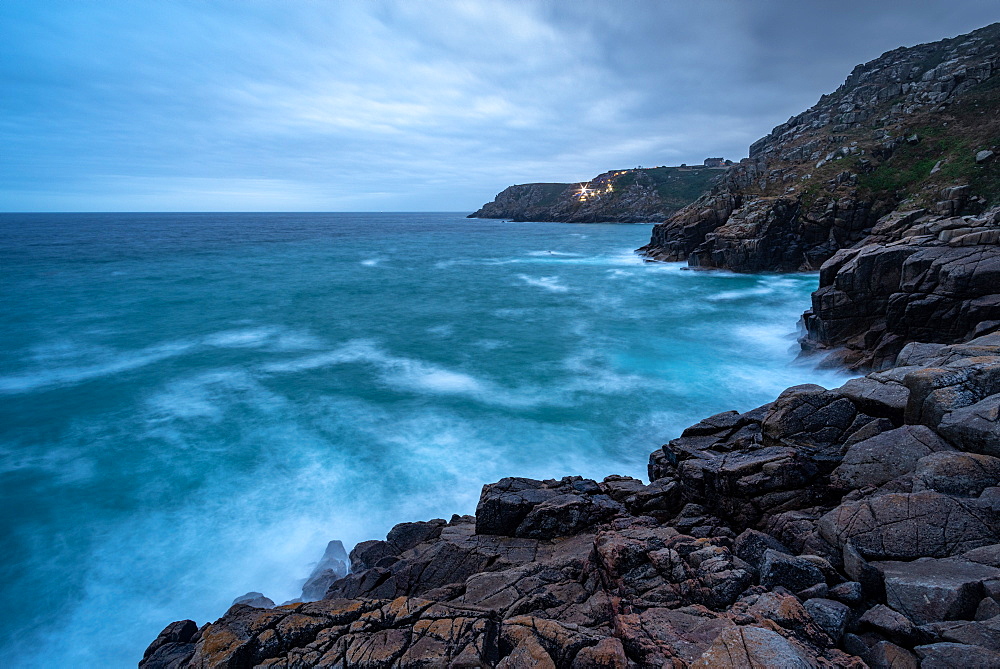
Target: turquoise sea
(192, 405)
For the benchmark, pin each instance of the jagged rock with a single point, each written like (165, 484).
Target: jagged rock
(830, 615)
(405, 536)
(849, 592)
(887, 655)
(788, 571)
(975, 428)
(985, 633)
(878, 298)
(948, 655)
(504, 504)
(173, 647)
(564, 515)
(751, 545)
(256, 600)
(882, 527)
(937, 391)
(960, 474)
(886, 456)
(891, 624)
(988, 608)
(930, 590)
(814, 420)
(878, 397)
(331, 567)
(368, 553)
(754, 647)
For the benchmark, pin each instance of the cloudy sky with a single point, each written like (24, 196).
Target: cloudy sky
(415, 105)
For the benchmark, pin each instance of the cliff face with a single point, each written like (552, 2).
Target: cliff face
(902, 154)
(620, 196)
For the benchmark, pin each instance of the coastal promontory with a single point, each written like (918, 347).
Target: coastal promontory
(638, 195)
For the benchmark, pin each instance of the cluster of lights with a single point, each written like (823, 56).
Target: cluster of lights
(587, 192)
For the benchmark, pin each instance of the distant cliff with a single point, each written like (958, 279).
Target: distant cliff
(621, 196)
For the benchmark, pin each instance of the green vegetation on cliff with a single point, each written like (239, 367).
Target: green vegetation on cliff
(637, 195)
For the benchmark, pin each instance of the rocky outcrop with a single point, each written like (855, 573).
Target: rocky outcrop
(886, 187)
(622, 196)
(934, 280)
(906, 128)
(837, 527)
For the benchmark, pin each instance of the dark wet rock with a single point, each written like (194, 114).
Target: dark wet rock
(988, 608)
(504, 504)
(988, 555)
(830, 615)
(331, 567)
(405, 536)
(751, 545)
(859, 569)
(568, 514)
(887, 456)
(813, 420)
(891, 624)
(959, 474)
(883, 527)
(930, 590)
(849, 592)
(173, 647)
(788, 571)
(256, 600)
(887, 655)
(985, 633)
(886, 296)
(974, 428)
(755, 647)
(936, 392)
(368, 553)
(948, 655)
(877, 397)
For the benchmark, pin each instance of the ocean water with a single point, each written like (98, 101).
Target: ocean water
(192, 405)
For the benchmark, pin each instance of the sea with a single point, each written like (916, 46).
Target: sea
(193, 405)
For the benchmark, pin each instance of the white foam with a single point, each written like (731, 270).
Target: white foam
(741, 294)
(550, 283)
(246, 338)
(409, 374)
(553, 253)
(371, 262)
(72, 375)
(443, 330)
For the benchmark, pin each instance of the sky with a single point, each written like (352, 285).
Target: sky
(412, 105)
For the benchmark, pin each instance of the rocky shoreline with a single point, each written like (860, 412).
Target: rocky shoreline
(849, 527)
(828, 528)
